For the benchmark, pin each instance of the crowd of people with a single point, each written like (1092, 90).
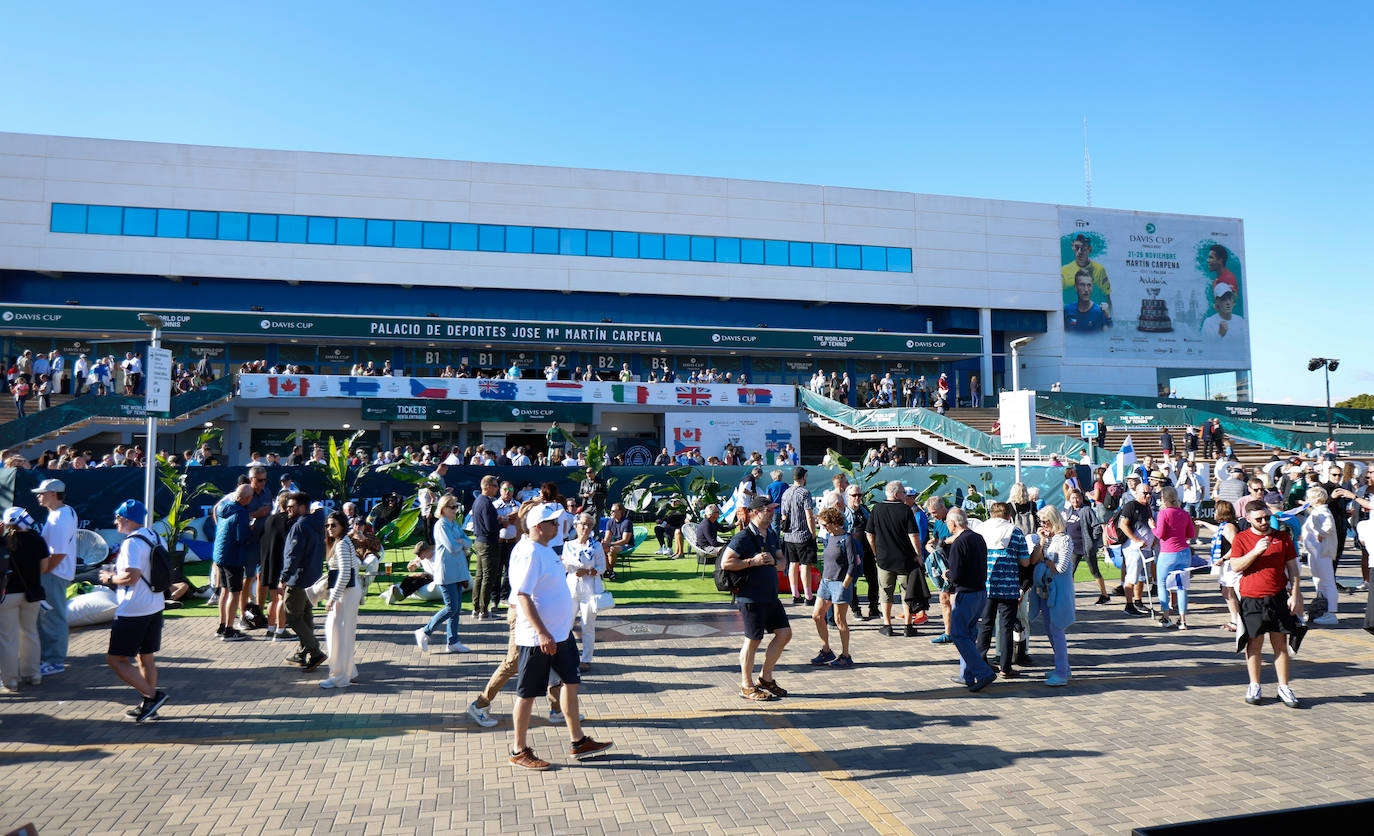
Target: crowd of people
(36, 378)
(887, 391)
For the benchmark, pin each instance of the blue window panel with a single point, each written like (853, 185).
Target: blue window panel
(408, 234)
(625, 244)
(727, 250)
(822, 255)
(262, 227)
(380, 233)
(519, 239)
(462, 237)
(349, 232)
(171, 223)
(140, 221)
(898, 260)
(319, 230)
(798, 254)
(875, 258)
(546, 241)
(751, 251)
(233, 226)
(775, 252)
(677, 247)
(598, 242)
(847, 257)
(291, 229)
(572, 242)
(68, 217)
(491, 239)
(703, 248)
(203, 225)
(650, 246)
(109, 220)
(435, 236)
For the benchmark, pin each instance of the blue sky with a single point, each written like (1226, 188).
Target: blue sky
(1232, 109)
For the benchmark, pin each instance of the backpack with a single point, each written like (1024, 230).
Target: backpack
(159, 576)
(21, 389)
(730, 580)
(1111, 532)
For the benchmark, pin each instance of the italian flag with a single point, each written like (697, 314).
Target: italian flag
(629, 393)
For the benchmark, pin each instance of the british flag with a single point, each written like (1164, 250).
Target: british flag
(694, 395)
(497, 390)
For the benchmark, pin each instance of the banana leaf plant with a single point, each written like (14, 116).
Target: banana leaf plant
(866, 478)
(185, 500)
(341, 480)
(688, 488)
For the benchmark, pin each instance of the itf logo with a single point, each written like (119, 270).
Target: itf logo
(8, 316)
(1150, 228)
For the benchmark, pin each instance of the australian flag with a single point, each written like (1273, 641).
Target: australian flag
(359, 387)
(752, 396)
(566, 392)
(497, 390)
(419, 390)
(694, 395)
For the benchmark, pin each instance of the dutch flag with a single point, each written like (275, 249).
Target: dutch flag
(1122, 465)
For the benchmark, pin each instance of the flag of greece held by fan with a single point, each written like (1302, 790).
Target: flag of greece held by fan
(1122, 465)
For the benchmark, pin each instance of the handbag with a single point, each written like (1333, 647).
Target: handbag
(317, 591)
(602, 602)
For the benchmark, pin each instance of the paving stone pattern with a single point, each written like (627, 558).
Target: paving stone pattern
(1151, 730)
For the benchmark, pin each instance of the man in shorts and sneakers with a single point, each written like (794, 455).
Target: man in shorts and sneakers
(543, 634)
(757, 599)
(137, 628)
(798, 526)
(1268, 565)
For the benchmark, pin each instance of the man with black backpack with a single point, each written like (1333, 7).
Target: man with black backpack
(748, 568)
(137, 628)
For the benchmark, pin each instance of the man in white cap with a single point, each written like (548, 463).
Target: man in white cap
(58, 572)
(137, 628)
(543, 636)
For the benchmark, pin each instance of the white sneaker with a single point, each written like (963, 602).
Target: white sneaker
(205, 594)
(422, 639)
(392, 594)
(458, 647)
(213, 600)
(558, 719)
(480, 716)
(1327, 620)
(1289, 698)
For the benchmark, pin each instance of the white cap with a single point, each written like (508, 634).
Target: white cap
(54, 485)
(543, 513)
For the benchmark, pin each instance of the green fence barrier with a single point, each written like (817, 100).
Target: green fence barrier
(879, 420)
(1242, 410)
(90, 405)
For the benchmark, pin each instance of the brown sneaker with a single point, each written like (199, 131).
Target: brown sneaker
(526, 759)
(771, 687)
(586, 748)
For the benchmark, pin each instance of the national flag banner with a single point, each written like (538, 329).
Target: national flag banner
(629, 393)
(776, 439)
(288, 386)
(420, 390)
(1123, 464)
(498, 390)
(694, 395)
(565, 392)
(755, 395)
(360, 387)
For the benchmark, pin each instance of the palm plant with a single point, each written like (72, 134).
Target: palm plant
(657, 495)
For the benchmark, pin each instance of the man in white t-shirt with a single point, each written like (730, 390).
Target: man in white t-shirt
(137, 628)
(543, 636)
(58, 572)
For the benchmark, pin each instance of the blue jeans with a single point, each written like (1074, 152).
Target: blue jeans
(1056, 635)
(963, 622)
(1172, 562)
(453, 605)
(52, 624)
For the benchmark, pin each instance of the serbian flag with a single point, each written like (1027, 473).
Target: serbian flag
(420, 390)
(694, 395)
(629, 393)
(567, 392)
(288, 386)
(751, 396)
(497, 390)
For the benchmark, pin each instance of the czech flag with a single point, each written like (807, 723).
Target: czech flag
(419, 390)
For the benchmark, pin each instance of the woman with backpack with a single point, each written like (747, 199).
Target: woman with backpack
(21, 600)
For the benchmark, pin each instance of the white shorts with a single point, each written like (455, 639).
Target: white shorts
(1133, 570)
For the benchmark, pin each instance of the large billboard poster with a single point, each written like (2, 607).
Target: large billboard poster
(1157, 288)
(709, 432)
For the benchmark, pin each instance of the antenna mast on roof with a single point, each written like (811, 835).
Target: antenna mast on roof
(1087, 164)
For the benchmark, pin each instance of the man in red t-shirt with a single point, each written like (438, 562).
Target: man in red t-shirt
(1268, 565)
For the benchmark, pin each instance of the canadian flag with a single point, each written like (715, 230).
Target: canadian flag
(288, 386)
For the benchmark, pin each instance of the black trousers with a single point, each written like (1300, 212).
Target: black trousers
(300, 617)
(999, 613)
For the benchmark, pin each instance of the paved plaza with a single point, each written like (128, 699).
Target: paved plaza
(1152, 729)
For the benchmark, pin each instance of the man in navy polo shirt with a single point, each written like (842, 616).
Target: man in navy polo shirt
(620, 537)
(755, 552)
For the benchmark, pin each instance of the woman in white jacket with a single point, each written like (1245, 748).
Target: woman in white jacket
(1319, 541)
(585, 561)
(345, 596)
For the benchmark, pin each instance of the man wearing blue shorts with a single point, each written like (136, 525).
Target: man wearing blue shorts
(752, 553)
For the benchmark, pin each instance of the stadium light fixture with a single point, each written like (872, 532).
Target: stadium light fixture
(1327, 365)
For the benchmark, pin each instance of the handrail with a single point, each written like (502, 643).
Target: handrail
(935, 424)
(90, 405)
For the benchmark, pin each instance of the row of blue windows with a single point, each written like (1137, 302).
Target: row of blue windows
(362, 232)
